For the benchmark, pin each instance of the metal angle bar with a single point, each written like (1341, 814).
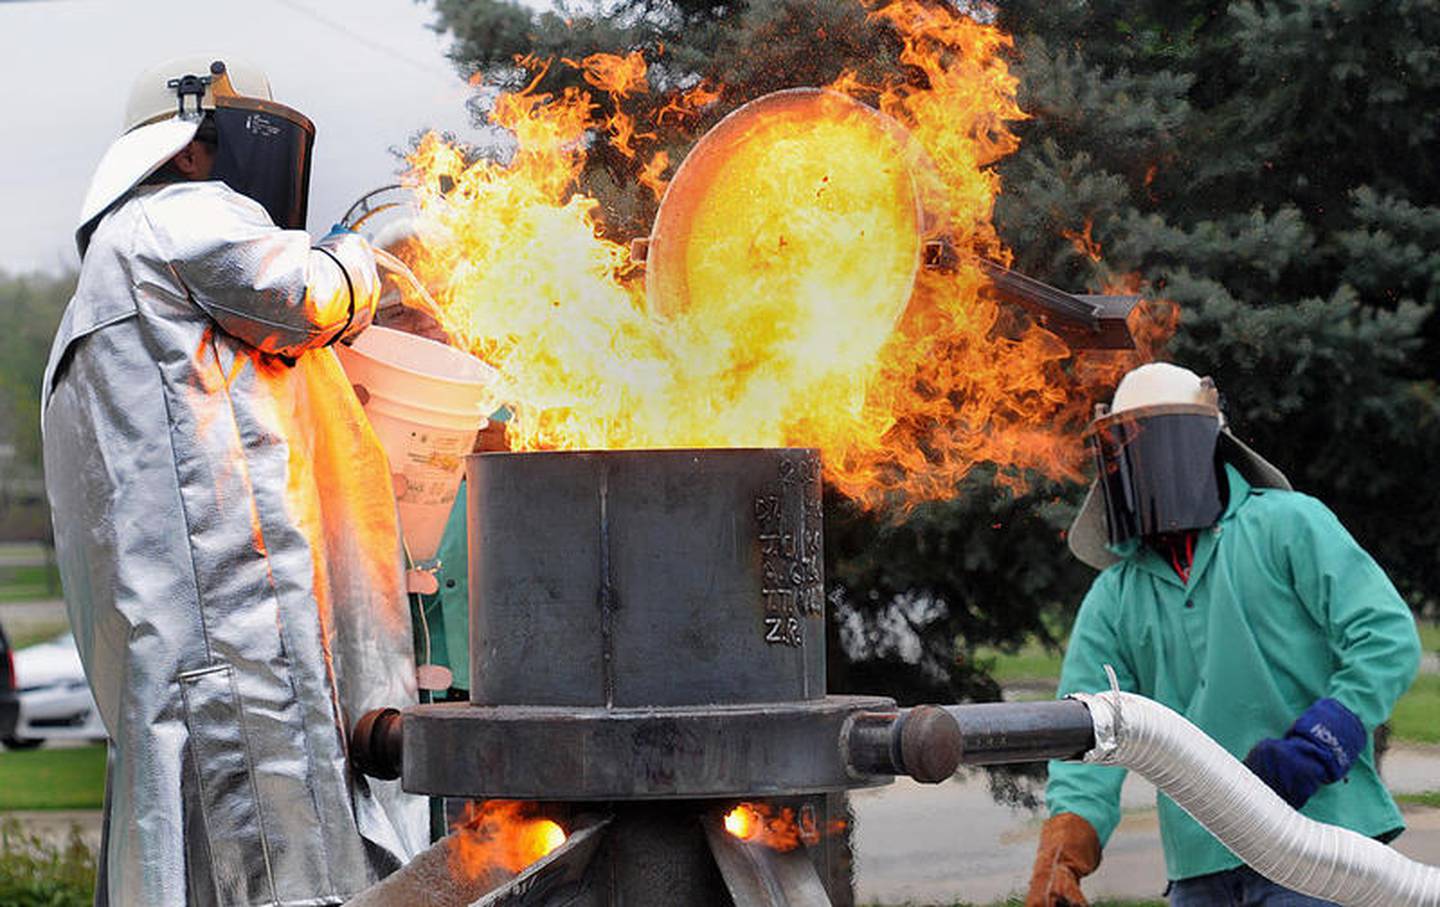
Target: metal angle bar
(760, 876)
(1034, 293)
(1084, 321)
(559, 879)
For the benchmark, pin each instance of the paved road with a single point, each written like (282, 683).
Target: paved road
(928, 845)
(21, 554)
(24, 619)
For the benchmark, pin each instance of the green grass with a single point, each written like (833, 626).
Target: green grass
(1429, 798)
(1033, 662)
(28, 582)
(52, 778)
(1430, 637)
(1416, 718)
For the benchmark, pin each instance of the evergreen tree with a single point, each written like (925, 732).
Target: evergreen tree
(1262, 164)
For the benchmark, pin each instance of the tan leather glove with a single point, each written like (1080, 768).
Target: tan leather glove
(1069, 851)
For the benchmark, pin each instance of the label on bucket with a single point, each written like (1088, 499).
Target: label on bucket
(432, 466)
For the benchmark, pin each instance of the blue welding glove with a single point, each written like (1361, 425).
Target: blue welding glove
(1318, 749)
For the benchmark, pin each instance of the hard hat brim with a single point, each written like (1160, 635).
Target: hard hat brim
(129, 160)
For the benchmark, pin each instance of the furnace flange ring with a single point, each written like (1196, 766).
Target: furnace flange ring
(539, 753)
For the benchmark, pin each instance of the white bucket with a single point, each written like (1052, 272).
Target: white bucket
(426, 401)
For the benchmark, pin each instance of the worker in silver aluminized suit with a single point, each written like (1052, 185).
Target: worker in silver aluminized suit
(224, 519)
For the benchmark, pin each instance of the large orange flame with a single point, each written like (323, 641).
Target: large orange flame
(618, 77)
(794, 339)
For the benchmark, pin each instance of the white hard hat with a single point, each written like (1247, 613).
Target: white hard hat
(152, 97)
(1160, 384)
(153, 130)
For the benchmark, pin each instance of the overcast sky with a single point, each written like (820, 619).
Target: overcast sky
(367, 72)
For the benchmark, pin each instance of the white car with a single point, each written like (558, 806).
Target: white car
(55, 700)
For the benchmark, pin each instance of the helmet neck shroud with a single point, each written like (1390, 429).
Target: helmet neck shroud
(1158, 469)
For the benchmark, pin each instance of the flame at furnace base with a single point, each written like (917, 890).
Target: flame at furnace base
(779, 828)
(503, 835)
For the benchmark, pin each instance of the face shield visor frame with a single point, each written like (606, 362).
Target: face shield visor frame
(263, 150)
(1157, 469)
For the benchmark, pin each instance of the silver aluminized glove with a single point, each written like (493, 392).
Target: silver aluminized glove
(356, 260)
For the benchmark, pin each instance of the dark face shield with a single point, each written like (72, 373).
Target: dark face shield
(263, 152)
(1157, 469)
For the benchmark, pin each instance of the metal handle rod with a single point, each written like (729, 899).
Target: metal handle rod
(995, 733)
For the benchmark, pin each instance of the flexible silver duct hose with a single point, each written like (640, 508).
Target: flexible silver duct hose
(1214, 787)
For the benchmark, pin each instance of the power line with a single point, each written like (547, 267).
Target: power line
(358, 38)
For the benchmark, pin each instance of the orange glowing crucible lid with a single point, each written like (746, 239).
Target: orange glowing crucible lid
(805, 195)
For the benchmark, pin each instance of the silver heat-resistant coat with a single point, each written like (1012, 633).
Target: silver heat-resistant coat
(227, 540)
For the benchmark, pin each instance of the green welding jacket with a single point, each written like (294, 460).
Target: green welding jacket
(1282, 608)
(447, 612)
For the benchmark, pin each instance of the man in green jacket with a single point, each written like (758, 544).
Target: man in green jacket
(1242, 605)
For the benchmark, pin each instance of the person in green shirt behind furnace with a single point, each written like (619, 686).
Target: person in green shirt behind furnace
(1242, 605)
